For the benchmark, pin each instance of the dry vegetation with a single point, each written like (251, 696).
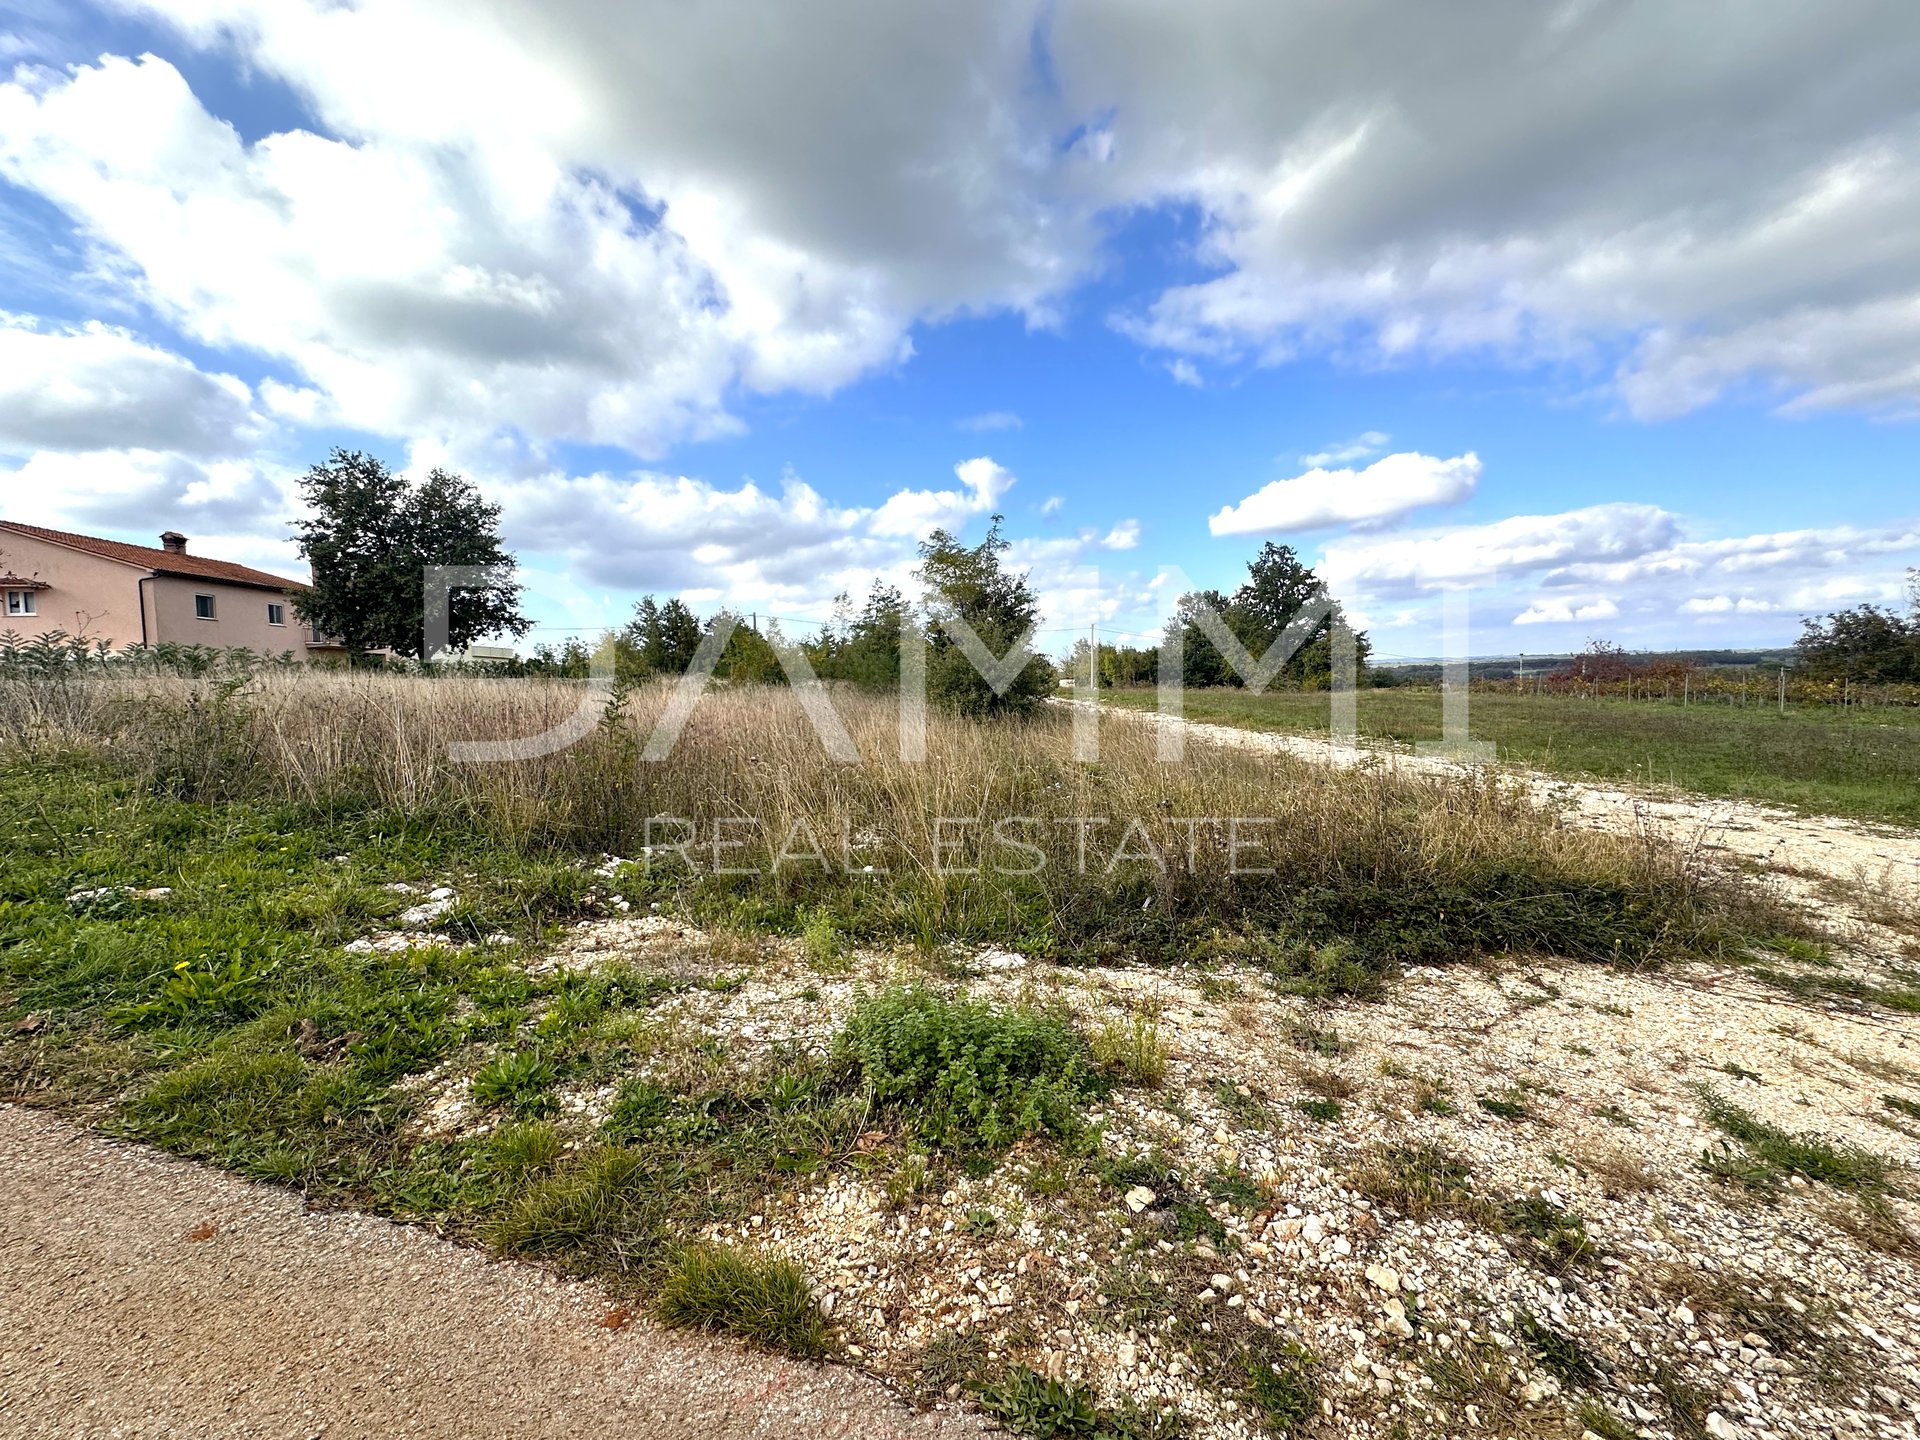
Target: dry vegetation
(1126, 1148)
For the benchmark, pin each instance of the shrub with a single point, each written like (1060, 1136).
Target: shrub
(966, 1073)
(712, 1287)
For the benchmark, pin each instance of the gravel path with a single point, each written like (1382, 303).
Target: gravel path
(145, 1296)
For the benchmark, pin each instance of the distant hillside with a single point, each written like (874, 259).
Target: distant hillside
(1506, 667)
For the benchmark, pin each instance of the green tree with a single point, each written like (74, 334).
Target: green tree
(1278, 587)
(369, 539)
(663, 637)
(1869, 643)
(968, 585)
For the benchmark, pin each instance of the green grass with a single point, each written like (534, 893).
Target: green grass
(1030, 1404)
(1863, 763)
(1776, 1153)
(758, 1298)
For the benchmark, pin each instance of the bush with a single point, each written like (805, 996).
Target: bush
(711, 1287)
(966, 1073)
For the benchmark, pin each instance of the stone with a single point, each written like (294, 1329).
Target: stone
(1385, 1277)
(1138, 1198)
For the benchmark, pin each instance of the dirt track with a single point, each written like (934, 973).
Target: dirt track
(120, 1314)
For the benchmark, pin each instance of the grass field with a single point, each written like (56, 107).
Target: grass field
(197, 871)
(1863, 763)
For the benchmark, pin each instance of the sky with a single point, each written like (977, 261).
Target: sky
(1606, 312)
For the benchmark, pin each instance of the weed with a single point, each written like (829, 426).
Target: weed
(1305, 1035)
(1618, 1169)
(756, 1297)
(603, 1211)
(1321, 1112)
(1030, 1404)
(1607, 1007)
(1241, 1104)
(824, 945)
(1597, 1419)
(1740, 1072)
(1556, 1238)
(1614, 1115)
(1687, 1404)
(1901, 1106)
(1845, 1167)
(982, 1223)
(520, 1079)
(1131, 1050)
(640, 1110)
(1508, 1106)
(909, 1178)
(1281, 1387)
(1419, 1180)
(1561, 1356)
(951, 1359)
(1236, 1189)
(205, 991)
(966, 1073)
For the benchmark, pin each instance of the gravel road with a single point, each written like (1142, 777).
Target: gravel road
(144, 1296)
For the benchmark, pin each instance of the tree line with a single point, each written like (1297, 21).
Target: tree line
(369, 534)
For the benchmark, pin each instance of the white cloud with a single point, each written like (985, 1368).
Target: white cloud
(1051, 505)
(1124, 536)
(1370, 442)
(1569, 183)
(1185, 372)
(92, 387)
(1386, 490)
(915, 512)
(1632, 565)
(1563, 611)
(230, 509)
(992, 420)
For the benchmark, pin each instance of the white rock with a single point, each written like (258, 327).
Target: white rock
(1386, 1277)
(1138, 1198)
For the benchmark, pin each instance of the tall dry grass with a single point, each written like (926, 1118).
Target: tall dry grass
(1351, 867)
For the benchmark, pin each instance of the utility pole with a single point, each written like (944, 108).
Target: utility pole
(1783, 689)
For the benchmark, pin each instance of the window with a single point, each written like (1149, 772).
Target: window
(276, 614)
(203, 607)
(20, 602)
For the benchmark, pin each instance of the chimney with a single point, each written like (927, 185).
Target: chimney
(174, 543)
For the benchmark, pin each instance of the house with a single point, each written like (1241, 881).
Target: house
(138, 595)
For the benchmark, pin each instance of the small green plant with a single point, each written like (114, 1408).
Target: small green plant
(640, 1109)
(520, 1079)
(1599, 1420)
(1508, 1106)
(1901, 1106)
(756, 1297)
(1561, 1356)
(1030, 1404)
(207, 991)
(908, 1180)
(966, 1073)
(824, 945)
(1740, 1072)
(1241, 1103)
(1614, 1115)
(1419, 1180)
(1131, 1050)
(1320, 1110)
(1558, 1238)
(1280, 1385)
(982, 1223)
(1845, 1167)
(1305, 1035)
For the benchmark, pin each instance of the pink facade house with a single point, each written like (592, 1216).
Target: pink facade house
(139, 595)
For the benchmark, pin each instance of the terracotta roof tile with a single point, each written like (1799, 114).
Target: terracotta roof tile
(162, 562)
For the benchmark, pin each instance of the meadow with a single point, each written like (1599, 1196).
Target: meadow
(204, 873)
(1862, 762)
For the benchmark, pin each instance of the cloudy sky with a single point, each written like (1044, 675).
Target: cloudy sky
(1607, 310)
